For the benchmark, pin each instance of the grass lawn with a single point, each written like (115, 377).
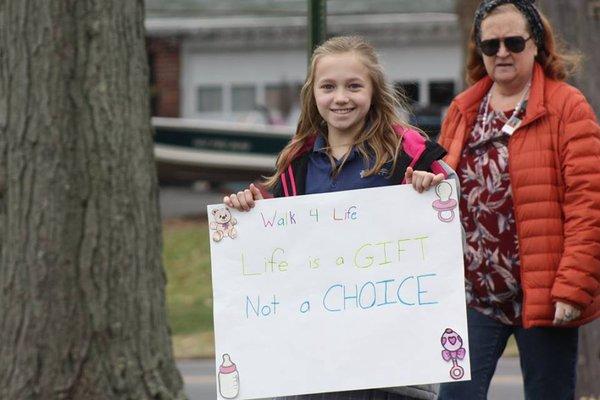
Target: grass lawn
(189, 289)
(186, 257)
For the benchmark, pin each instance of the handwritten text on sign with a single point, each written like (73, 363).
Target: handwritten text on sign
(340, 291)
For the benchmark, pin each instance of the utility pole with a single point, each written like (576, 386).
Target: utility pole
(317, 24)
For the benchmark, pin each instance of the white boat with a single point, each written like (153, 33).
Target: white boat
(188, 150)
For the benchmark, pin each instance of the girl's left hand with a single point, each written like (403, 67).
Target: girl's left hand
(565, 313)
(422, 180)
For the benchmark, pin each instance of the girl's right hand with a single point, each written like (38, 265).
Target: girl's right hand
(243, 200)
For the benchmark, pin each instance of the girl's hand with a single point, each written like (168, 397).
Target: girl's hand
(243, 200)
(565, 313)
(422, 180)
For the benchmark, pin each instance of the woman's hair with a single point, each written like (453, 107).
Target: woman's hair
(378, 139)
(555, 60)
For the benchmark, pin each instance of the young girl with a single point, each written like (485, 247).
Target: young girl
(350, 136)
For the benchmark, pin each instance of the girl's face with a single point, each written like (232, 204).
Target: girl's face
(508, 68)
(343, 93)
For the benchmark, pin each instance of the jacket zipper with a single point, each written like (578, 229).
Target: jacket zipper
(517, 223)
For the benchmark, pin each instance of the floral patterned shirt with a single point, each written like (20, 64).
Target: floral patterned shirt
(492, 266)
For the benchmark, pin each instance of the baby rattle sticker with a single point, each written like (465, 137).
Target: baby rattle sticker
(223, 224)
(453, 351)
(444, 205)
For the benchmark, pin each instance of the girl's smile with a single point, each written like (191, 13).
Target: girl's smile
(342, 110)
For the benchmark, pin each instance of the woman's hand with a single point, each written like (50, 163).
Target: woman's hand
(565, 313)
(243, 200)
(422, 180)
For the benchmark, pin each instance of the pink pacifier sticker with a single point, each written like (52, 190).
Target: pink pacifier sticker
(444, 205)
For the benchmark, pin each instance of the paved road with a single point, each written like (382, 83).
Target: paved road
(199, 377)
(184, 202)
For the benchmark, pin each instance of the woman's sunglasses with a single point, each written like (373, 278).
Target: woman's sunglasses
(514, 44)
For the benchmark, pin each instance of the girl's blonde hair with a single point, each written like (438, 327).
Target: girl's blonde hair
(378, 139)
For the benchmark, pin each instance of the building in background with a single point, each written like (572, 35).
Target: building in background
(245, 61)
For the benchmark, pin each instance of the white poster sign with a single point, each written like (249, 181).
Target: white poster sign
(339, 291)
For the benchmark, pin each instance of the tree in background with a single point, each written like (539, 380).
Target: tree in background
(465, 10)
(577, 22)
(82, 307)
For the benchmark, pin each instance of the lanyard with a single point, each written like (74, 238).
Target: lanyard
(509, 127)
(515, 121)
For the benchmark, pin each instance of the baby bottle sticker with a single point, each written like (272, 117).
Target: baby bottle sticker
(453, 351)
(229, 379)
(444, 205)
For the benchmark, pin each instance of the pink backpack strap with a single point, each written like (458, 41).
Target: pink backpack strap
(284, 184)
(415, 146)
(292, 180)
(437, 168)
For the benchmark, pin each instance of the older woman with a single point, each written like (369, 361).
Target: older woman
(526, 147)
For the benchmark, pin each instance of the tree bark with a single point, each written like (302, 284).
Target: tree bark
(577, 22)
(588, 362)
(82, 305)
(465, 9)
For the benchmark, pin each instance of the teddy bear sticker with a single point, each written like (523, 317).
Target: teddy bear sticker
(223, 224)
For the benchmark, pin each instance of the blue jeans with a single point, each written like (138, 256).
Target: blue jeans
(548, 359)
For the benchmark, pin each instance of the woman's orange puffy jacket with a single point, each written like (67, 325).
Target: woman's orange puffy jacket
(554, 164)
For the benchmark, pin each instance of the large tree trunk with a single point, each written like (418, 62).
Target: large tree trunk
(82, 309)
(588, 367)
(577, 22)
